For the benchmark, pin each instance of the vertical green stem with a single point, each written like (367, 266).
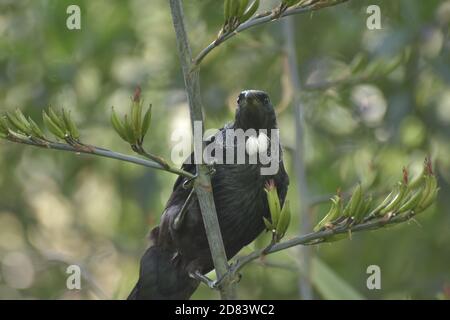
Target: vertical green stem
(299, 162)
(203, 182)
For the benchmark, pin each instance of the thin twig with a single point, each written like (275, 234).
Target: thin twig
(282, 266)
(139, 149)
(320, 237)
(93, 150)
(259, 20)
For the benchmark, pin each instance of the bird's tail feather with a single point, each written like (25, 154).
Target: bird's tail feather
(162, 278)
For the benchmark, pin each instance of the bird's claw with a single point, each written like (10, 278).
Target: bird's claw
(197, 275)
(213, 284)
(187, 184)
(231, 278)
(211, 168)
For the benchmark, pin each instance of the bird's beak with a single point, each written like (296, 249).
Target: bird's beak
(252, 100)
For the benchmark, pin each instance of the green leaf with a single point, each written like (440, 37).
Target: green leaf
(70, 125)
(136, 117)
(4, 125)
(289, 3)
(19, 115)
(397, 200)
(35, 129)
(274, 202)
(429, 193)
(250, 11)
(226, 10)
(333, 213)
(354, 203)
(268, 224)
(363, 210)
(329, 284)
(118, 126)
(17, 123)
(129, 132)
(376, 212)
(428, 202)
(56, 119)
(234, 8)
(242, 6)
(412, 201)
(52, 126)
(284, 220)
(146, 122)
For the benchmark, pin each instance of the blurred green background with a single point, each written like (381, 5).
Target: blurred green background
(367, 120)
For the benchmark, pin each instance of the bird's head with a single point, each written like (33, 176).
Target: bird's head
(255, 111)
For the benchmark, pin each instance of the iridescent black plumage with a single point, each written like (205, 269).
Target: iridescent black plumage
(240, 201)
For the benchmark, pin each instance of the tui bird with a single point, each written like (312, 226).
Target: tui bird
(179, 254)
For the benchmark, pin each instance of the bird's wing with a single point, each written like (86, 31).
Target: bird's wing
(181, 198)
(189, 165)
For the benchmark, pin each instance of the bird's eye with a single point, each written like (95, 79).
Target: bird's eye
(266, 100)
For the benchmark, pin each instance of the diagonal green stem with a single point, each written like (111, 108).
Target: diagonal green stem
(259, 20)
(320, 237)
(93, 150)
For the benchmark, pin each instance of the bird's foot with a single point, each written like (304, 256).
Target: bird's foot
(197, 275)
(211, 168)
(215, 284)
(188, 183)
(232, 276)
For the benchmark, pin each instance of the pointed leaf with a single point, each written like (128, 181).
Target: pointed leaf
(70, 125)
(242, 6)
(52, 126)
(16, 123)
(118, 126)
(129, 132)
(56, 119)
(250, 11)
(233, 9)
(268, 224)
(226, 10)
(136, 116)
(4, 126)
(284, 220)
(146, 122)
(35, 129)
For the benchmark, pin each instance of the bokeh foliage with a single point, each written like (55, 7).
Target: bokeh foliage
(389, 107)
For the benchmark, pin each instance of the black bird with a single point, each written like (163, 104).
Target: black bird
(179, 247)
